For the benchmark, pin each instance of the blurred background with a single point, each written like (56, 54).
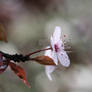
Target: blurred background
(29, 24)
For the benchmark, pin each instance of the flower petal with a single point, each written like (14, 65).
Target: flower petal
(61, 45)
(52, 42)
(64, 59)
(57, 34)
(49, 70)
(48, 52)
(54, 57)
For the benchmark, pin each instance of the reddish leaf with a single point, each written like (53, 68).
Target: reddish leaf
(2, 34)
(19, 71)
(44, 60)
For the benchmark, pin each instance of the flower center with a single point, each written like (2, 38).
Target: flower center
(56, 47)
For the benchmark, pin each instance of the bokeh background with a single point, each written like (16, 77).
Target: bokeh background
(29, 25)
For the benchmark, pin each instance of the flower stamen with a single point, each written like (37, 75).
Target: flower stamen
(56, 47)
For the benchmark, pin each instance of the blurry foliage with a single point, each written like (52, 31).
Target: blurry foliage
(43, 5)
(2, 34)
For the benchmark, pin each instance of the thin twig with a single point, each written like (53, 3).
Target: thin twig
(38, 51)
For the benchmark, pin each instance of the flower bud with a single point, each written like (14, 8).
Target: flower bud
(44, 60)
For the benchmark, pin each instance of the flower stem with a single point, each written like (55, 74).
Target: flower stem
(38, 51)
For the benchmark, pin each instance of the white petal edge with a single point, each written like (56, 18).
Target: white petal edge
(52, 42)
(48, 52)
(57, 34)
(64, 59)
(54, 57)
(49, 70)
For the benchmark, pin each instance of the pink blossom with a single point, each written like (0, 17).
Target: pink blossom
(58, 54)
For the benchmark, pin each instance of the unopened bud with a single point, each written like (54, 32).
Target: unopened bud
(44, 60)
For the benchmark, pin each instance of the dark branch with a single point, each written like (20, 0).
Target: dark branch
(15, 57)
